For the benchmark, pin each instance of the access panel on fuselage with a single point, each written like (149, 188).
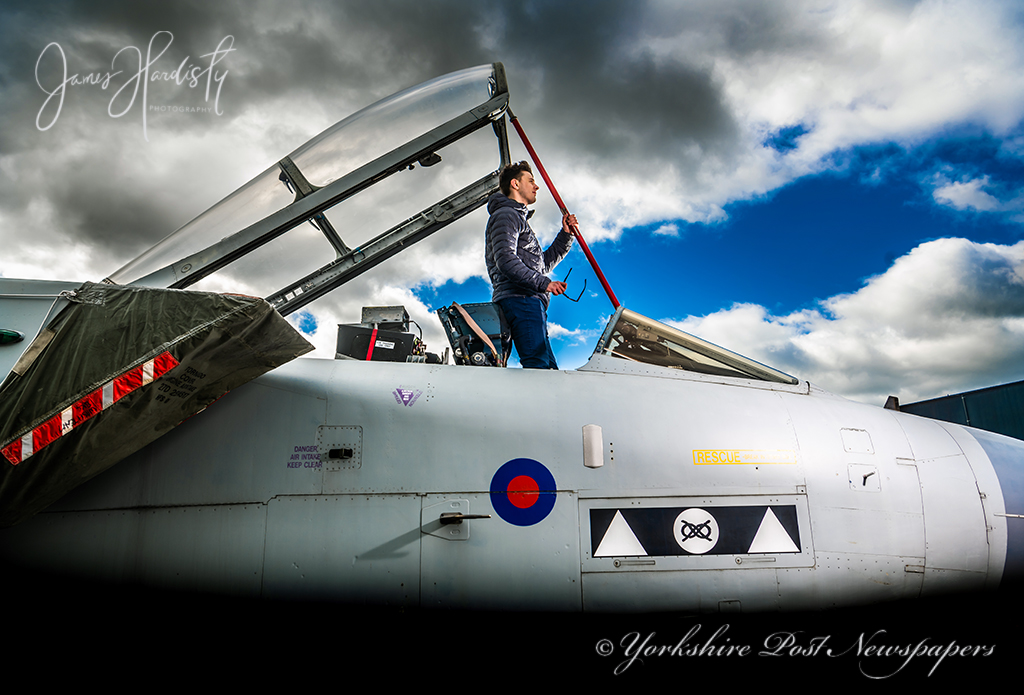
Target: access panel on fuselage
(358, 548)
(511, 561)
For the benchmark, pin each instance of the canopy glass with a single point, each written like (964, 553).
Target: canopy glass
(341, 149)
(630, 336)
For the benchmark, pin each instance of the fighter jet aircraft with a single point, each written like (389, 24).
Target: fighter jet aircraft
(666, 474)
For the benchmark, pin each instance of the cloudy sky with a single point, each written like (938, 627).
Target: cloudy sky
(832, 188)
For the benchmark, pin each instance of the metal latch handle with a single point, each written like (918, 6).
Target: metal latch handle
(457, 517)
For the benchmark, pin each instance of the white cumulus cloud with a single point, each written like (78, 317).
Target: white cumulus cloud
(946, 317)
(967, 195)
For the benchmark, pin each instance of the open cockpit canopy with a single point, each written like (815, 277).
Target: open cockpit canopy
(378, 170)
(308, 190)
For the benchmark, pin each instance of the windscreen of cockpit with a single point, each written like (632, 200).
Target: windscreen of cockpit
(631, 336)
(339, 150)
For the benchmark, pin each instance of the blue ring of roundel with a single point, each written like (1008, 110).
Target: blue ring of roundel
(539, 510)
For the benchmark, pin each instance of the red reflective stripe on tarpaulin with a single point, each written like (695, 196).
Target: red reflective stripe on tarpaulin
(134, 378)
(12, 452)
(163, 363)
(127, 382)
(46, 432)
(88, 406)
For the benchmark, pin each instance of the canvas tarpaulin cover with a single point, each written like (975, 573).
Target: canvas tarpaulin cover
(115, 370)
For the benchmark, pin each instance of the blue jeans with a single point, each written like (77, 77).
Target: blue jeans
(527, 318)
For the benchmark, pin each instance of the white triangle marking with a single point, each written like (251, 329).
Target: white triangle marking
(619, 540)
(771, 537)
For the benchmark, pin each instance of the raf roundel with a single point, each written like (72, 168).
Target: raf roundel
(523, 492)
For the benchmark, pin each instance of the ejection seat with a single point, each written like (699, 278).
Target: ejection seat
(478, 333)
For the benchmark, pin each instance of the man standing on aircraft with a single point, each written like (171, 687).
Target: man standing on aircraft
(517, 266)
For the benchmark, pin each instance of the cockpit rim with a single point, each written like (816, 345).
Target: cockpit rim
(678, 350)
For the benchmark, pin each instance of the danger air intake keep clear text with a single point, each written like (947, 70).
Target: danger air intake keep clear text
(305, 456)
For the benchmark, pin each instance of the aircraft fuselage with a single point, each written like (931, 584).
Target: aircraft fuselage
(328, 479)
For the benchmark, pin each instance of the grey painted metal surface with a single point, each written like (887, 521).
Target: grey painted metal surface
(24, 307)
(359, 548)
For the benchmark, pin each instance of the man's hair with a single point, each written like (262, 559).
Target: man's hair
(512, 171)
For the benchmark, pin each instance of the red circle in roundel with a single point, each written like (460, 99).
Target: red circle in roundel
(523, 491)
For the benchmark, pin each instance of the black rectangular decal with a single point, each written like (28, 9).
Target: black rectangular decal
(663, 531)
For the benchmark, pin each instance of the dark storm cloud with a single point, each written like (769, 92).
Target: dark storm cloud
(580, 69)
(426, 39)
(605, 90)
(126, 227)
(750, 30)
(194, 23)
(89, 36)
(586, 78)
(591, 65)
(91, 170)
(601, 92)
